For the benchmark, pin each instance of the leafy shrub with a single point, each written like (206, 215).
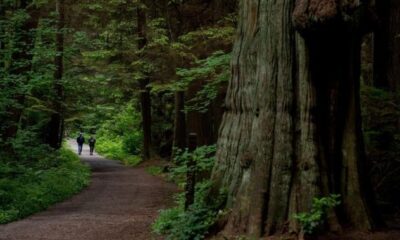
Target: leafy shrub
(193, 224)
(312, 220)
(178, 224)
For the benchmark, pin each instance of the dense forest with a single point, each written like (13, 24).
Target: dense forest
(272, 118)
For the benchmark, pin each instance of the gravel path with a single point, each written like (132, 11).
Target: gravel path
(120, 203)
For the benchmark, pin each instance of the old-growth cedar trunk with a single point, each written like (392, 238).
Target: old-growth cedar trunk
(145, 98)
(21, 65)
(292, 129)
(387, 45)
(180, 121)
(56, 125)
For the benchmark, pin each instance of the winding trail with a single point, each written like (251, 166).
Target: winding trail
(120, 203)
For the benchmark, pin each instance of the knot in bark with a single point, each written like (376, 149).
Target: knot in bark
(315, 14)
(246, 160)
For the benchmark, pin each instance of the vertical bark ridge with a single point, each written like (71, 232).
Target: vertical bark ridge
(288, 135)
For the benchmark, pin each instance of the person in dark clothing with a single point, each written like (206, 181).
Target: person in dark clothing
(80, 140)
(92, 143)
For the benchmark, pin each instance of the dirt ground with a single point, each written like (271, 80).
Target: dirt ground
(120, 203)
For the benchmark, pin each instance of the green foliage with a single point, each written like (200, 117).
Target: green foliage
(193, 224)
(120, 137)
(204, 157)
(25, 190)
(178, 224)
(312, 220)
(213, 71)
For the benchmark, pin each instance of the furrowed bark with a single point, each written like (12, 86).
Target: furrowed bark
(292, 129)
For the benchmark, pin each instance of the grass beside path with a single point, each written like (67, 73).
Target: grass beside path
(25, 190)
(114, 150)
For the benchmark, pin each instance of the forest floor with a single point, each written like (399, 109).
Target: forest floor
(120, 203)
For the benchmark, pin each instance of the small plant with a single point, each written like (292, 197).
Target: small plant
(311, 221)
(193, 224)
(154, 170)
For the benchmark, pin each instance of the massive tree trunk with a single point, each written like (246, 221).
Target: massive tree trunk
(56, 125)
(387, 45)
(292, 129)
(145, 98)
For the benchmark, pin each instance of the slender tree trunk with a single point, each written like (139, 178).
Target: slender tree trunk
(387, 45)
(180, 121)
(56, 126)
(367, 60)
(292, 129)
(145, 98)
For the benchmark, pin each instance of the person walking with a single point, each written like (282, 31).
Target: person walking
(80, 140)
(92, 143)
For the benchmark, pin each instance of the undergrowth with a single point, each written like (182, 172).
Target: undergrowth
(193, 224)
(27, 189)
(311, 221)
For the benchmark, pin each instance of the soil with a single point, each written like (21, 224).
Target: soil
(120, 203)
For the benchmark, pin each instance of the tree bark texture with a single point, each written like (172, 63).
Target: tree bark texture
(292, 128)
(180, 121)
(145, 101)
(145, 97)
(56, 125)
(367, 60)
(387, 45)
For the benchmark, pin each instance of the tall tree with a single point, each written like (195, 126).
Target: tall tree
(145, 98)
(179, 140)
(292, 128)
(20, 64)
(56, 125)
(387, 45)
